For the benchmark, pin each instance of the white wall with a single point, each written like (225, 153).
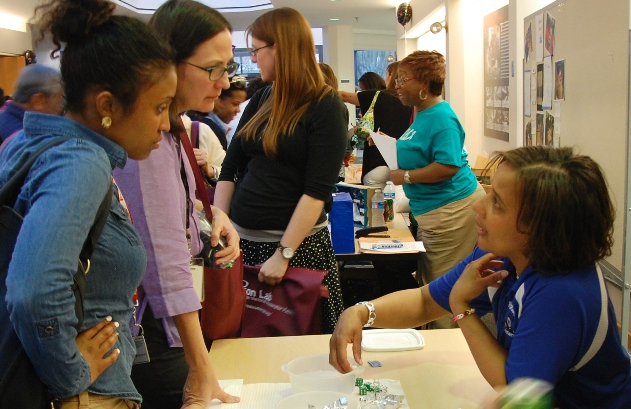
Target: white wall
(15, 42)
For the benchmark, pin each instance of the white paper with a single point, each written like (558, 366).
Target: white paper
(539, 38)
(527, 93)
(557, 110)
(548, 83)
(402, 247)
(387, 147)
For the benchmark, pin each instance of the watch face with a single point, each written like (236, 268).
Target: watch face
(288, 253)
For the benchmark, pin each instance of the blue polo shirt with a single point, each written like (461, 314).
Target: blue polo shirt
(11, 119)
(547, 324)
(436, 135)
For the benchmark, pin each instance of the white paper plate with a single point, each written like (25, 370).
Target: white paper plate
(391, 340)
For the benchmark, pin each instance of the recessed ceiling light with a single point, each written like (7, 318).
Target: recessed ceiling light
(334, 19)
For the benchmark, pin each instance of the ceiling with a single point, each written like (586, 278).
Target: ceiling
(366, 16)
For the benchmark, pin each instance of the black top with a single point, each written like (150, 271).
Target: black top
(391, 118)
(307, 162)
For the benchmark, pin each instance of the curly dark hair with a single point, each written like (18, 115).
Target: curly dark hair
(565, 208)
(102, 51)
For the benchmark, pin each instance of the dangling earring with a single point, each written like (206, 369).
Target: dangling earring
(106, 122)
(420, 95)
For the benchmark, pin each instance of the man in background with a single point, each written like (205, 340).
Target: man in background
(38, 88)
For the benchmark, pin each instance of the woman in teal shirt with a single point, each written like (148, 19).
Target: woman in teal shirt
(433, 168)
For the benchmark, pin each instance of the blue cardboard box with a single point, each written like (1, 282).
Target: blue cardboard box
(361, 195)
(342, 226)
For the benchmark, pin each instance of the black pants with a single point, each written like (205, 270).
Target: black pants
(161, 381)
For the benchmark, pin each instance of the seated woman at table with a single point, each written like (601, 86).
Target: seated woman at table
(540, 237)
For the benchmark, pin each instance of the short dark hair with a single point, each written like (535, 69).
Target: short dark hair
(565, 208)
(372, 80)
(115, 53)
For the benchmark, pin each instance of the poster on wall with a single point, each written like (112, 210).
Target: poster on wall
(559, 80)
(549, 36)
(548, 83)
(496, 74)
(539, 87)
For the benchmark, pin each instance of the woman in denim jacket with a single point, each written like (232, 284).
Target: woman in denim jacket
(119, 80)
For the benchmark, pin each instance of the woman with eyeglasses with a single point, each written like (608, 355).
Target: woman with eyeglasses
(434, 170)
(160, 194)
(287, 152)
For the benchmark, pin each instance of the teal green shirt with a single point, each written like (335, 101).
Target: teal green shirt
(436, 135)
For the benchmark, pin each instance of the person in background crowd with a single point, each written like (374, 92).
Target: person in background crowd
(331, 80)
(389, 116)
(291, 139)
(38, 88)
(1, 98)
(252, 86)
(160, 193)
(537, 270)
(115, 109)
(433, 168)
(226, 108)
(371, 80)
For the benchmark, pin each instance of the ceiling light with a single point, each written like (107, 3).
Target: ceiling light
(334, 19)
(12, 23)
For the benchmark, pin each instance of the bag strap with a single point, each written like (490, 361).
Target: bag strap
(8, 196)
(195, 134)
(199, 178)
(9, 192)
(603, 324)
(371, 108)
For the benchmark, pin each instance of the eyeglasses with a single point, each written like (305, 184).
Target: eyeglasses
(215, 73)
(238, 82)
(400, 81)
(256, 50)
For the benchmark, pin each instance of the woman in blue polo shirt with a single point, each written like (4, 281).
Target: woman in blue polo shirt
(433, 168)
(540, 237)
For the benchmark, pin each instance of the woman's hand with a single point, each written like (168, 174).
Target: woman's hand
(347, 331)
(274, 269)
(475, 279)
(201, 157)
(397, 176)
(222, 227)
(200, 386)
(95, 343)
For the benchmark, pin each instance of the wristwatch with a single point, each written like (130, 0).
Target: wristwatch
(286, 252)
(406, 177)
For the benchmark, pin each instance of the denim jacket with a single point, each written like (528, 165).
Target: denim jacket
(59, 201)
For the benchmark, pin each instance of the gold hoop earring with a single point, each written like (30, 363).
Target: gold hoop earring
(106, 122)
(420, 95)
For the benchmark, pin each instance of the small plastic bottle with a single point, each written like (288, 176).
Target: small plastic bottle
(527, 393)
(376, 205)
(388, 202)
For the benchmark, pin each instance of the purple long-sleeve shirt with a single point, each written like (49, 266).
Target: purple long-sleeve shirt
(156, 198)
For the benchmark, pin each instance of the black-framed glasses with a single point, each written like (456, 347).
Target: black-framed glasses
(256, 50)
(215, 73)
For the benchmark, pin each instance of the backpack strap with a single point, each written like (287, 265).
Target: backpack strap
(8, 195)
(603, 324)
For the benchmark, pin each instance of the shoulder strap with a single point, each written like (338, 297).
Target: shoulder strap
(9, 192)
(195, 134)
(199, 178)
(374, 100)
(603, 324)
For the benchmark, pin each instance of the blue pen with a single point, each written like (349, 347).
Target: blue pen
(382, 246)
